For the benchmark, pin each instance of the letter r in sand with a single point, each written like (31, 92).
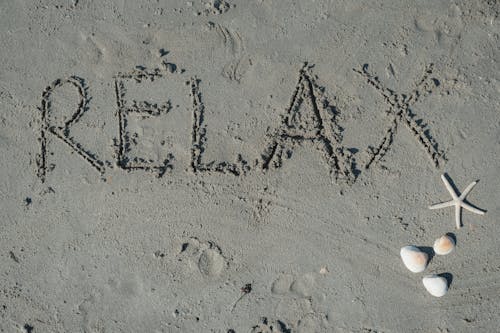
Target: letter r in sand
(62, 132)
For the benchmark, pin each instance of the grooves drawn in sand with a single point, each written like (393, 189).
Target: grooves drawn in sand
(319, 127)
(231, 39)
(400, 111)
(199, 138)
(63, 132)
(143, 108)
(235, 69)
(309, 119)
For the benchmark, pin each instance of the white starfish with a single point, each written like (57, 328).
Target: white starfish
(458, 201)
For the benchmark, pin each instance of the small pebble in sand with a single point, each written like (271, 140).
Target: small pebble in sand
(414, 259)
(444, 245)
(169, 66)
(436, 285)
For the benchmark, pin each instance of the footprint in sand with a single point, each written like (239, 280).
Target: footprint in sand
(302, 286)
(296, 305)
(206, 255)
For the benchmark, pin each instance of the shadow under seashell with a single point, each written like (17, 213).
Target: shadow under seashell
(448, 277)
(444, 245)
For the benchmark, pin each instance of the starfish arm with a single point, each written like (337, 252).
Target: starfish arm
(467, 190)
(472, 209)
(442, 205)
(448, 187)
(458, 219)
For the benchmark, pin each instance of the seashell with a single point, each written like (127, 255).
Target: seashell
(444, 245)
(436, 285)
(414, 259)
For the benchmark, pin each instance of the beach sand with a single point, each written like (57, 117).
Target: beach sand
(246, 166)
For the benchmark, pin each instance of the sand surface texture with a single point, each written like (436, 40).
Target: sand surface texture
(246, 166)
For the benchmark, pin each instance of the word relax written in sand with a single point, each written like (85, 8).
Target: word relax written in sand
(317, 125)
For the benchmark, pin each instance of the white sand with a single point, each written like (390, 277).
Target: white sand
(239, 164)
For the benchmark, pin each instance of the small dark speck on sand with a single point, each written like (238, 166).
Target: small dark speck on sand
(28, 328)
(13, 256)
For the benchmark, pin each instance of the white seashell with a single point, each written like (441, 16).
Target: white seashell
(444, 245)
(436, 285)
(414, 259)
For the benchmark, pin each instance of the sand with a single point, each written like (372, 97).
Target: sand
(246, 166)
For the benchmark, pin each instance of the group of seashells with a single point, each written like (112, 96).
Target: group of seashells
(416, 261)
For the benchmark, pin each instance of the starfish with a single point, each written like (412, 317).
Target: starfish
(458, 201)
